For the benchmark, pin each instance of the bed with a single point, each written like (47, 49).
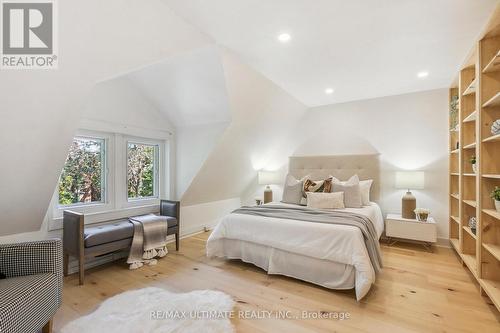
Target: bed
(330, 255)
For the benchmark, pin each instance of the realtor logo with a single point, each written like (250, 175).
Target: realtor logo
(28, 32)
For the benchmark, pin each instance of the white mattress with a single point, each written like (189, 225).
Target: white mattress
(300, 249)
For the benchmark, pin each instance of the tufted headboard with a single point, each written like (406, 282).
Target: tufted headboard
(339, 166)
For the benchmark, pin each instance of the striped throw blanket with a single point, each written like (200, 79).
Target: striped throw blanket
(149, 240)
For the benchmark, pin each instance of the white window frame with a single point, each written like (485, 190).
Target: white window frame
(116, 203)
(157, 163)
(104, 176)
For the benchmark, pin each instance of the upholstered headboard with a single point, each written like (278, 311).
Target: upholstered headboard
(339, 166)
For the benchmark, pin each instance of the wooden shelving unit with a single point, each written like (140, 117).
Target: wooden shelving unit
(478, 90)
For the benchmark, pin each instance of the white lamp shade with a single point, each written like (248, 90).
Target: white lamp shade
(412, 180)
(269, 177)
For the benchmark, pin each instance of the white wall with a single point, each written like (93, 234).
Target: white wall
(410, 132)
(262, 116)
(193, 146)
(41, 109)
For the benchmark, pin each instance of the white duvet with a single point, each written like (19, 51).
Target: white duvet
(337, 243)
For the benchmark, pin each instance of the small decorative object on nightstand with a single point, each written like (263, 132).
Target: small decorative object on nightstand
(410, 229)
(422, 214)
(268, 178)
(410, 180)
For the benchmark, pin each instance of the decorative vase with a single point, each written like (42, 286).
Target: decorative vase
(474, 168)
(495, 128)
(473, 224)
(497, 205)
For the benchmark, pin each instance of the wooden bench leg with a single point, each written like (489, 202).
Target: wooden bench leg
(177, 241)
(81, 269)
(48, 327)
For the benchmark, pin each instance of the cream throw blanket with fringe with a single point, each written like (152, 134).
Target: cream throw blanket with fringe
(149, 241)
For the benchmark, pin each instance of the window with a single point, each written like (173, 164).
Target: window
(142, 170)
(83, 178)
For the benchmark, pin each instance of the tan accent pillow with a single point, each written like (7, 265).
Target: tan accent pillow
(322, 200)
(352, 194)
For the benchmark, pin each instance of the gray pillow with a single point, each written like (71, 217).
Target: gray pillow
(292, 193)
(352, 194)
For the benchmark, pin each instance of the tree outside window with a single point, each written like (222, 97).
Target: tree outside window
(82, 178)
(141, 170)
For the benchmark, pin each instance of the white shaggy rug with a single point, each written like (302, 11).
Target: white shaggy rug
(155, 310)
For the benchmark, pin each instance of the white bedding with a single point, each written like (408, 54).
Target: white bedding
(336, 243)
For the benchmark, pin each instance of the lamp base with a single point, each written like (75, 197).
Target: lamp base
(409, 203)
(268, 195)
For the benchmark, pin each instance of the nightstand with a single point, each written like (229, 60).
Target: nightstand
(410, 229)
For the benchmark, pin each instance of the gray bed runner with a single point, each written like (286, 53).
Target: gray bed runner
(362, 222)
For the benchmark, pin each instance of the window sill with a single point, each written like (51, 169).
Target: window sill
(108, 215)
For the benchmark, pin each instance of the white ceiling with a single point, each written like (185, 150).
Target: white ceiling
(189, 88)
(362, 49)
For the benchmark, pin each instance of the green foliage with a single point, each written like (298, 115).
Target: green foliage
(80, 180)
(495, 194)
(473, 159)
(140, 170)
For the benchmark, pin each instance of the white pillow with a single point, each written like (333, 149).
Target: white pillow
(323, 200)
(365, 186)
(352, 181)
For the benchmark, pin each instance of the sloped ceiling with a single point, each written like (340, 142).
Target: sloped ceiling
(362, 49)
(41, 109)
(189, 88)
(262, 117)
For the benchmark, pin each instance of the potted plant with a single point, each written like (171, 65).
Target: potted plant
(473, 163)
(422, 214)
(495, 195)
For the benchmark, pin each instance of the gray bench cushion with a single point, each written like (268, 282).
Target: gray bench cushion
(113, 232)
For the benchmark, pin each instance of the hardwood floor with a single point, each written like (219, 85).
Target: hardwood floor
(416, 292)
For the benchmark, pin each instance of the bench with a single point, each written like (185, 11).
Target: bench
(88, 242)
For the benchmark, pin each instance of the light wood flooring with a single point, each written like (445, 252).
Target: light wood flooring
(417, 291)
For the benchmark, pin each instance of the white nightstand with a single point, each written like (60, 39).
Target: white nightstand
(409, 229)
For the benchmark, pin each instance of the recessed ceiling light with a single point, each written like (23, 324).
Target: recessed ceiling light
(284, 37)
(329, 91)
(423, 74)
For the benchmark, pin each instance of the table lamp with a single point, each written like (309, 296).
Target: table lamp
(268, 178)
(410, 180)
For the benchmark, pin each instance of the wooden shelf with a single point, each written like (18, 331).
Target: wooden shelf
(494, 249)
(454, 174)
(470, 261)
(492, 289)
(493, 65)
(492, 213)
(471, 203)
(492, 138)
(471, 117)
(454, 151)
(454, 218)
(454, 242)
(470, 146)
(469, 231)
(492, 176)
(469, 174)
(455, 195)
(471, 89)
(494, 101)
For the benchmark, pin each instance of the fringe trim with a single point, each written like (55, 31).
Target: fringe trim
(135, 265)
